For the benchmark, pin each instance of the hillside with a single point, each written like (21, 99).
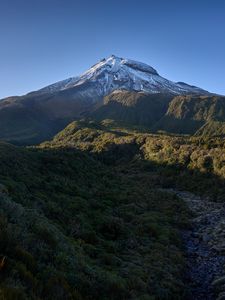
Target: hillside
(212, 128)
(133, 108)
(31, 120)
(194, 114)
(35, 117)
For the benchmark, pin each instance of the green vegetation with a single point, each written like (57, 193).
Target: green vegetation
(72, 228)
(200, 115)
(133, 108)
(192, 163)
(212, 128)
(84, 216)
(38, 116)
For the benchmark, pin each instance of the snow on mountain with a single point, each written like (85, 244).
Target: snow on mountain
(60, 85)
(116, 73)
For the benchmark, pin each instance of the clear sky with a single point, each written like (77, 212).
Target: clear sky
(44, 41)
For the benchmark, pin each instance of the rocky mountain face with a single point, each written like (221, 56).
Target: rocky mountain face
(124, 90)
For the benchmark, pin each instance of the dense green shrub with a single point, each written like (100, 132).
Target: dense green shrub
(84, 217)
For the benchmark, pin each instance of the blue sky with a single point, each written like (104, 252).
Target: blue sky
(43, 41)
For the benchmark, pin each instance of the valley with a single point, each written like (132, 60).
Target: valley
(88, 214)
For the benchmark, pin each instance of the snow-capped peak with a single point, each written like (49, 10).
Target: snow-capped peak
(116, 73)
(113, 64)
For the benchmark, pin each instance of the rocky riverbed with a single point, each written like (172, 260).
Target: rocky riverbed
(205, 247)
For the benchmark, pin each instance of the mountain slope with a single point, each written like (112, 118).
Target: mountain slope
(187, 115)
(133, 108)
(212, 128)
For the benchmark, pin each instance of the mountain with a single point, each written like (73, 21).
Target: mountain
(39, 115)
(117, 73)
